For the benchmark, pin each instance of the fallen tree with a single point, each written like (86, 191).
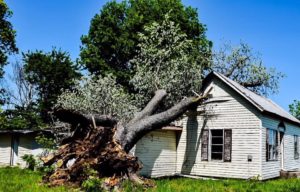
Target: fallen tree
(107, 121)
(102, 144)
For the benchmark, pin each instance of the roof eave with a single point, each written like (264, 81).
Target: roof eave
(281, 117)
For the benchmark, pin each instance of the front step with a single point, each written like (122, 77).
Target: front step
(290, 174)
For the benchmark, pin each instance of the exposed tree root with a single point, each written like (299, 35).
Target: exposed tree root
(96, 151)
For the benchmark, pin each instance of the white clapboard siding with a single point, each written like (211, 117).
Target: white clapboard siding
(290, 163)
(5, 149)
(27, 145)
(157, 152)
(227, 110)
(271, 169)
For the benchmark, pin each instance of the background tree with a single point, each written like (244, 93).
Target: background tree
(7, 36)
(21, 118)
(112, 40)
(21, 111)
(7, 43)
(23, 93)
(50, 73)
(243, 65)
(295, 109)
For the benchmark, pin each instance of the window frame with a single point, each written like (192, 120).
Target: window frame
(210, 145)
(272, 152)
(296, 147)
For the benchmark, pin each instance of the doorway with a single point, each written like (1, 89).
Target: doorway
(281, 151)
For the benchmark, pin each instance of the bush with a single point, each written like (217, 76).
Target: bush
(48, 144)
(31, 162)
(92, 184)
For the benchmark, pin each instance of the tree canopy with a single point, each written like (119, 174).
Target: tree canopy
(7, 36)
(164, 61)
(241, 64)
(295, 109)
(21, 118)
(112, 40)
(167, 60)
(98, 95)
(7, 43)
(50, 73)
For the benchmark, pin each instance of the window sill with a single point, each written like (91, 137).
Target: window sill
(216, 161)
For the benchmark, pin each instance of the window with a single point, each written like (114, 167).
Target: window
(216, 145)
(296, 147)
(272, 144)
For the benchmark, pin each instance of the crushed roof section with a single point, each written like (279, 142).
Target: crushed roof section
(261, 103)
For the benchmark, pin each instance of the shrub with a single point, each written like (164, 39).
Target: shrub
(92, 184)
(31, 162)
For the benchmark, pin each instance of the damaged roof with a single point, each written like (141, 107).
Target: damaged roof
(263, 104)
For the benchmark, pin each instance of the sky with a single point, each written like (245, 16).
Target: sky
(270, 27)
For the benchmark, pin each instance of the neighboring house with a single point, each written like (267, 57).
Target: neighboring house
(16, 143)
(234, 134)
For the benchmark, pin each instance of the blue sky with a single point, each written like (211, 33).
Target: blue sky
(271, 27)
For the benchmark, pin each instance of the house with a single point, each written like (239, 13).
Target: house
(234, 134)
(16, 143)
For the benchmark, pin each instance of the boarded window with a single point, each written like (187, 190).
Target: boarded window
(227, 145)
(272, 144)
(296, 147)
(204, 145)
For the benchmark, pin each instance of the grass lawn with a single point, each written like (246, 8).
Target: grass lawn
(191, 185)
(15, 180)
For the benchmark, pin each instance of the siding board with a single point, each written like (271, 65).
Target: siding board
(5, 150)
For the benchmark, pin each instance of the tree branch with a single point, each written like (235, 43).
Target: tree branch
(76, 118)
(252, 84)
(151, 106)
(238, 64)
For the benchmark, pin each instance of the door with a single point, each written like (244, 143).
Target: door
(157, 152)
(281, 151)
(15, 147)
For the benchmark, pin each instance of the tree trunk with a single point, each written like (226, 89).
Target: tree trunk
(100, 144)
